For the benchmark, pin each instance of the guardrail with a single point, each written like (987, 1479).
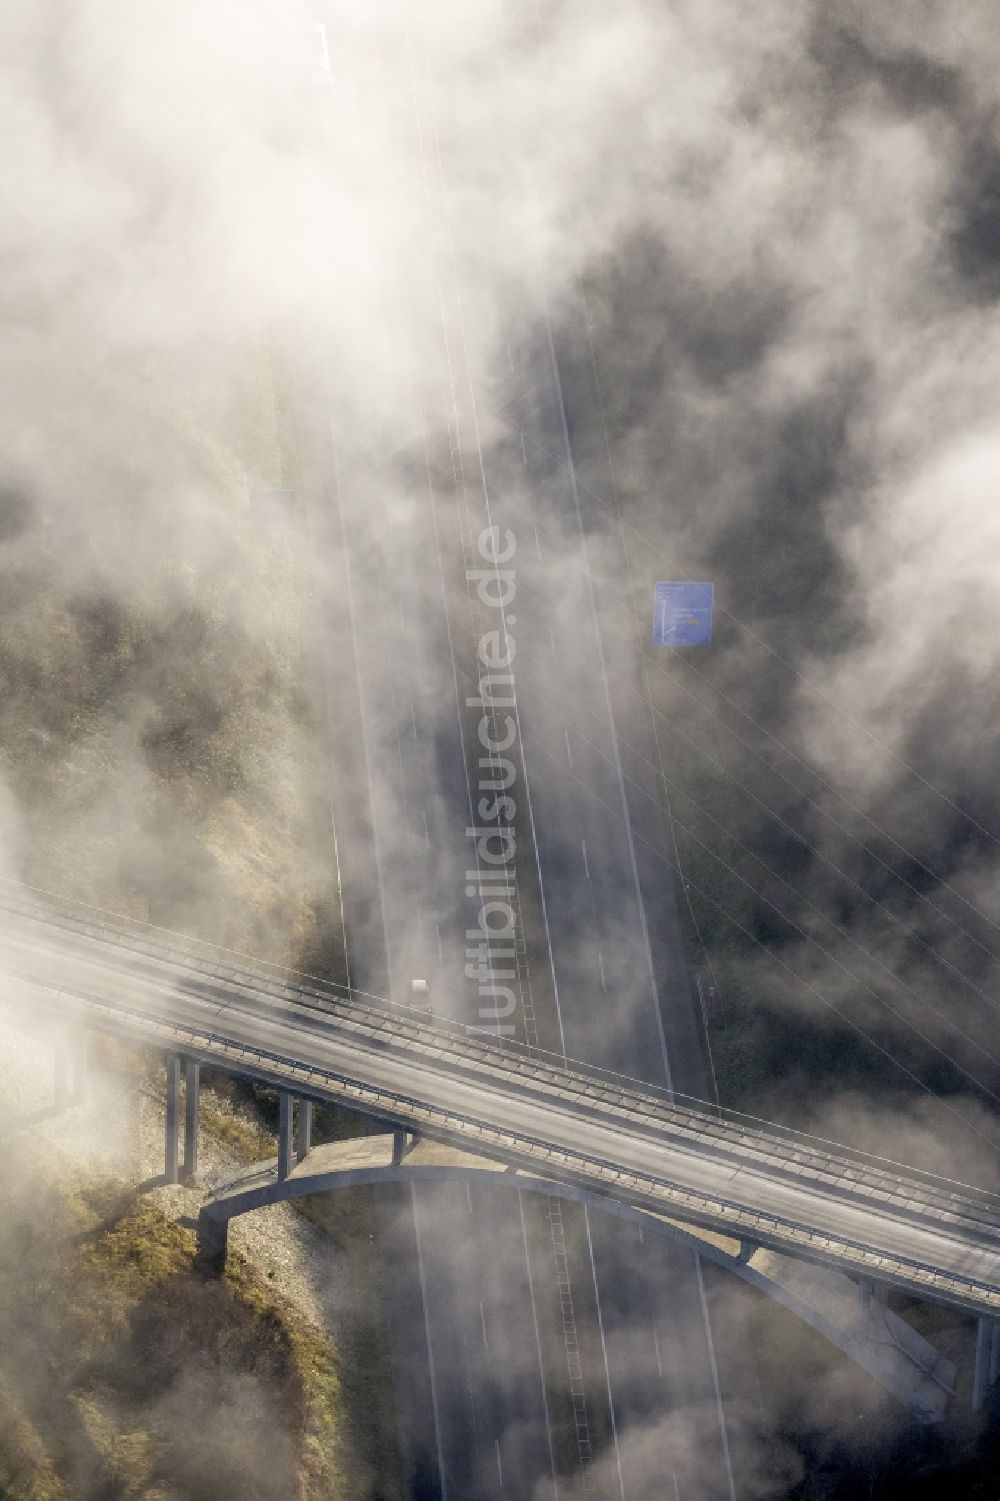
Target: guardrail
(765, 1144)
(720, 1213)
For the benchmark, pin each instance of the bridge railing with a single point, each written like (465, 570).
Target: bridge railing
(731, 1216)
(765, 1142)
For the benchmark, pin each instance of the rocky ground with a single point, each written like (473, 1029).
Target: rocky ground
(102, 1156)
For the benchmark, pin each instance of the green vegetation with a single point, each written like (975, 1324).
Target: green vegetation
(350, 1222)
(124, 1372)
(160, 733)
(163, 742)
(780, 936)
(146, 1379)
(241, 1117)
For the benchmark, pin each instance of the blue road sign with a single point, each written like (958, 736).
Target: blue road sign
(682, 614)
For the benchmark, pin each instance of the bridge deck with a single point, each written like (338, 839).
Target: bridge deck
(918, 1233)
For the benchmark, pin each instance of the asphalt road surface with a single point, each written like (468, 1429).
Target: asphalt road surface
(600, 972)
(534, 1120)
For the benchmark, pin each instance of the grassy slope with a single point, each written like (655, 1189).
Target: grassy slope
(132, 1341)
(164, 753)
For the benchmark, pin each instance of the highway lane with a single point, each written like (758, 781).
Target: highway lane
(609, 936)
(414, 748)
(616, 951)
(415, 767)
(409, 786)
(642, 1017)
(601, 973)
(409, 626)
(67, 935)
(591, 937)
(391, 560)
(347, 536)
(594, 1146)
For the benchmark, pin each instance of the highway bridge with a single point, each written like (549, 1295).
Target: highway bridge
(529, 1338)
(563, 1128)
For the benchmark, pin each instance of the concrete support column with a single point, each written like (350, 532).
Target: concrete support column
(305, 1129)
(874, 1298)
(987, 1360)
(62, 1071)
(286, 1157)
(70, 1067)
(78, 1055)
(192, 1082)
(403, 1141)
(171, 1124)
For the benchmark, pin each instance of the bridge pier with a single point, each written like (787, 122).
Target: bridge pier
(305, 1130)
(294, 1146)
(192, 1084)
(851, 1312)
(62, 1071)
(286, 1155)
(70, 1068)
(874, 1299)
(80, 1068)
(174, 1166)
(295, 1128)
(171, 1171)
(403, 1141)
(987, 1367)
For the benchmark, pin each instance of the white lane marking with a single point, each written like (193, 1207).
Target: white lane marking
(538, 545)
(659, 1363)
(538, 1345)
(482, 465)
(569, 753)
(340, 894)
(604, 1348)
(430, 1347)
(586, 862)
(482, 1320)
(427, 832)
(600, 965)
(468, 1195)
(437, 929)
(499, 1465)
(413, 720)
(363, 717)
(608, 705)
(524, 451)
(715, 1380)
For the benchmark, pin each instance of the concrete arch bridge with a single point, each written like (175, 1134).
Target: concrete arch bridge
(824, 1230)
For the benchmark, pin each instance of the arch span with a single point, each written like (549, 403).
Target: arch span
(852, 1316)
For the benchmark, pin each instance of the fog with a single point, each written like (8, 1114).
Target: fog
(253, 254)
